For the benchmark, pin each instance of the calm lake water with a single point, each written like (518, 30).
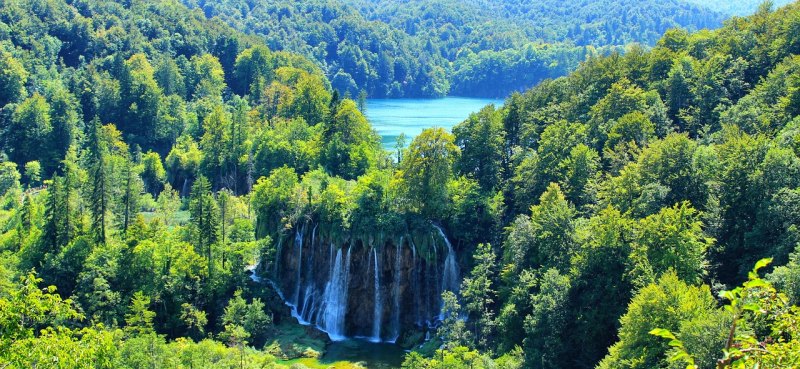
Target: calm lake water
(390, 117)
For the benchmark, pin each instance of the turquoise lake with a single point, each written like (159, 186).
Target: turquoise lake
(390, 117)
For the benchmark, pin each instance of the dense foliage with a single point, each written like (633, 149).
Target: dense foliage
(433, 48)
(152, 156)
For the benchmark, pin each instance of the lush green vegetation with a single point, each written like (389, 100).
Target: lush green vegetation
(151, 156)
(434, 48)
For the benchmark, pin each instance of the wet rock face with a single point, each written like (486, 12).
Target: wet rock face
(361, 289)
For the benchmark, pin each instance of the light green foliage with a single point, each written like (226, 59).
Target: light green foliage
(787, 278)
(552, 161)
(349, 144)
(12, 79)
(30, 128)
(9, 177)
(668, 304)
(426, 168)
(311, 101)
(33, 173)
(462, 358)
(371, 208)
(207, 78)
(544, 327)
(183, 163)
(754, 300)
(581, 169)
(139, 319)
(621, 100)
(289, 142)
(453, 332)
(632, 127)
(215, 143)
(170, 77)
(168, 204)
(545, 239)
(601, 279)
(480, 139)
(204, 218)
(272, 200)
(251, 317)
(670, 240)
(141, 99)
(153, 173)
(26, 308)
(253, 66)
(478, 295)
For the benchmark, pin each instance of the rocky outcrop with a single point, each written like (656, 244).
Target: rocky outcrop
(369, 287)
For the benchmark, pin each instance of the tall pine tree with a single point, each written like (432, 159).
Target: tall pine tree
(204, 218)
(96, 157)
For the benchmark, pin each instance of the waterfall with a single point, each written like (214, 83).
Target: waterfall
(335, 298)
(313, 234)
(254, 272)
(415, 283)
(398, 265)
(450, 278)
(298, 240)
(437, 281)
(378, 314)
(330, 262)
(319, 292)
(310, 295)
(308, 308)
(311, 266)
(277, 256)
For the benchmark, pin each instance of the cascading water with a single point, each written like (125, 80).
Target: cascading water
(398, 263)
(377, 317)
(450, 278)
(277, 258)
(298, 241)
(344, 291)
(335, 298)
(415, 284)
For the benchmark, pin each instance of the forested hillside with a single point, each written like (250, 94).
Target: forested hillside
(738, 7)
(176, 194)
(433, 48)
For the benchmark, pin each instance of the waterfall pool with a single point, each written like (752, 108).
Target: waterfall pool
(371, 355)
(354, 354)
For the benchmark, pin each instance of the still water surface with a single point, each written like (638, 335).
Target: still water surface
(390, 117)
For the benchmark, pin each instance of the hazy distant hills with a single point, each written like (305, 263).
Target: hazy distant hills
(429, 48)
(585, 22)
(736, 7)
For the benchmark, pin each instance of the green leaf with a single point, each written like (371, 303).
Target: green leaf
(663, 333)
(751, 307)
(756, 283)
(762, 263)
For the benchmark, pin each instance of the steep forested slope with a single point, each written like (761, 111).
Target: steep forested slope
(434, 48)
